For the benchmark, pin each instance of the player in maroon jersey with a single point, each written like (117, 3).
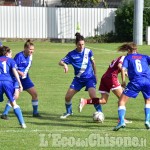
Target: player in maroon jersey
(109, 81)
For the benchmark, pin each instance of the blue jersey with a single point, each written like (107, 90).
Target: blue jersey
(137, 65)
(81, 62)
(23, 62)
(6, 78)
(6, 65)
(139, 75)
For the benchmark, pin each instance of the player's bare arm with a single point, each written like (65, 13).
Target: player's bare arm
(61, 63)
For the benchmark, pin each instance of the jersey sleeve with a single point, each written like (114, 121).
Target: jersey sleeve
(91, 55)
(66, 59)
(13, 64)
(125, 63)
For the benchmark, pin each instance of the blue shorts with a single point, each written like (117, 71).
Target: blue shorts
(27, 83)
(77, 83)
(134, 87)
(7, 87)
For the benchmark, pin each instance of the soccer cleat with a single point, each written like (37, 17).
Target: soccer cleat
(82, 104)
(125, 121)
(65, 115)
(23, 126)
(37, 115)
(5, 117)
(147, 125)
(120, 125)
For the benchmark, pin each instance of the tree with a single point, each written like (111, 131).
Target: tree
(81, 3)
(124, 20)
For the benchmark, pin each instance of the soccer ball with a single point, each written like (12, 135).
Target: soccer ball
(98, 117)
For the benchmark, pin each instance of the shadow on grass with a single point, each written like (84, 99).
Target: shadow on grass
(77, 120)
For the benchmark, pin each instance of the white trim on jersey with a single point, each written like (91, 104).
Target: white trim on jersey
(84, 62)
(122, 58)
(27, 68)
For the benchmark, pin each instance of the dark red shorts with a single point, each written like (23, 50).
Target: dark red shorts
(108, 83)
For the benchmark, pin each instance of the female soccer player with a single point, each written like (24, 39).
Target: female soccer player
(82, 60)
(16, 93)
(109, 81)
(138, 69)
(7, 67)
(24, 60)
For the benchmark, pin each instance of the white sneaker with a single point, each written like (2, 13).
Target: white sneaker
(23, 126)
(82, 104)
(65, 115)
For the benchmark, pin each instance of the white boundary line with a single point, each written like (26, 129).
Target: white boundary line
(101, 49)
(59, 131)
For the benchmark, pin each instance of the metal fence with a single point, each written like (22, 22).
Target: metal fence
(58, 23)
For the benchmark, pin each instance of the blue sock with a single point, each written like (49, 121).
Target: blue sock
(147, 112)
(98, 107)
(121, 113)
(68, 107)
(18, 114)
(35, 106)
(7, 108)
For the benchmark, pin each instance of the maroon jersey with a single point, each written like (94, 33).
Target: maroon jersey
(109, 80)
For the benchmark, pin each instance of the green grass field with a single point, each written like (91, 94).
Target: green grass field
(79, 131)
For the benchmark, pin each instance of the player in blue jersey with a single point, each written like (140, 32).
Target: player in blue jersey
(16, 94)
(82, 60)
(24, 60)
(7, 68)
(138, 69)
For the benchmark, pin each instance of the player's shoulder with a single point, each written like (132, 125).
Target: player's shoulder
(120, 59)
(72, 52)
(19, 54)
(87, 49)
(10, 60)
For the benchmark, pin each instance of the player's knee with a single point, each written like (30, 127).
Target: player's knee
(104, 101)
(34, 96)
(67, 99)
